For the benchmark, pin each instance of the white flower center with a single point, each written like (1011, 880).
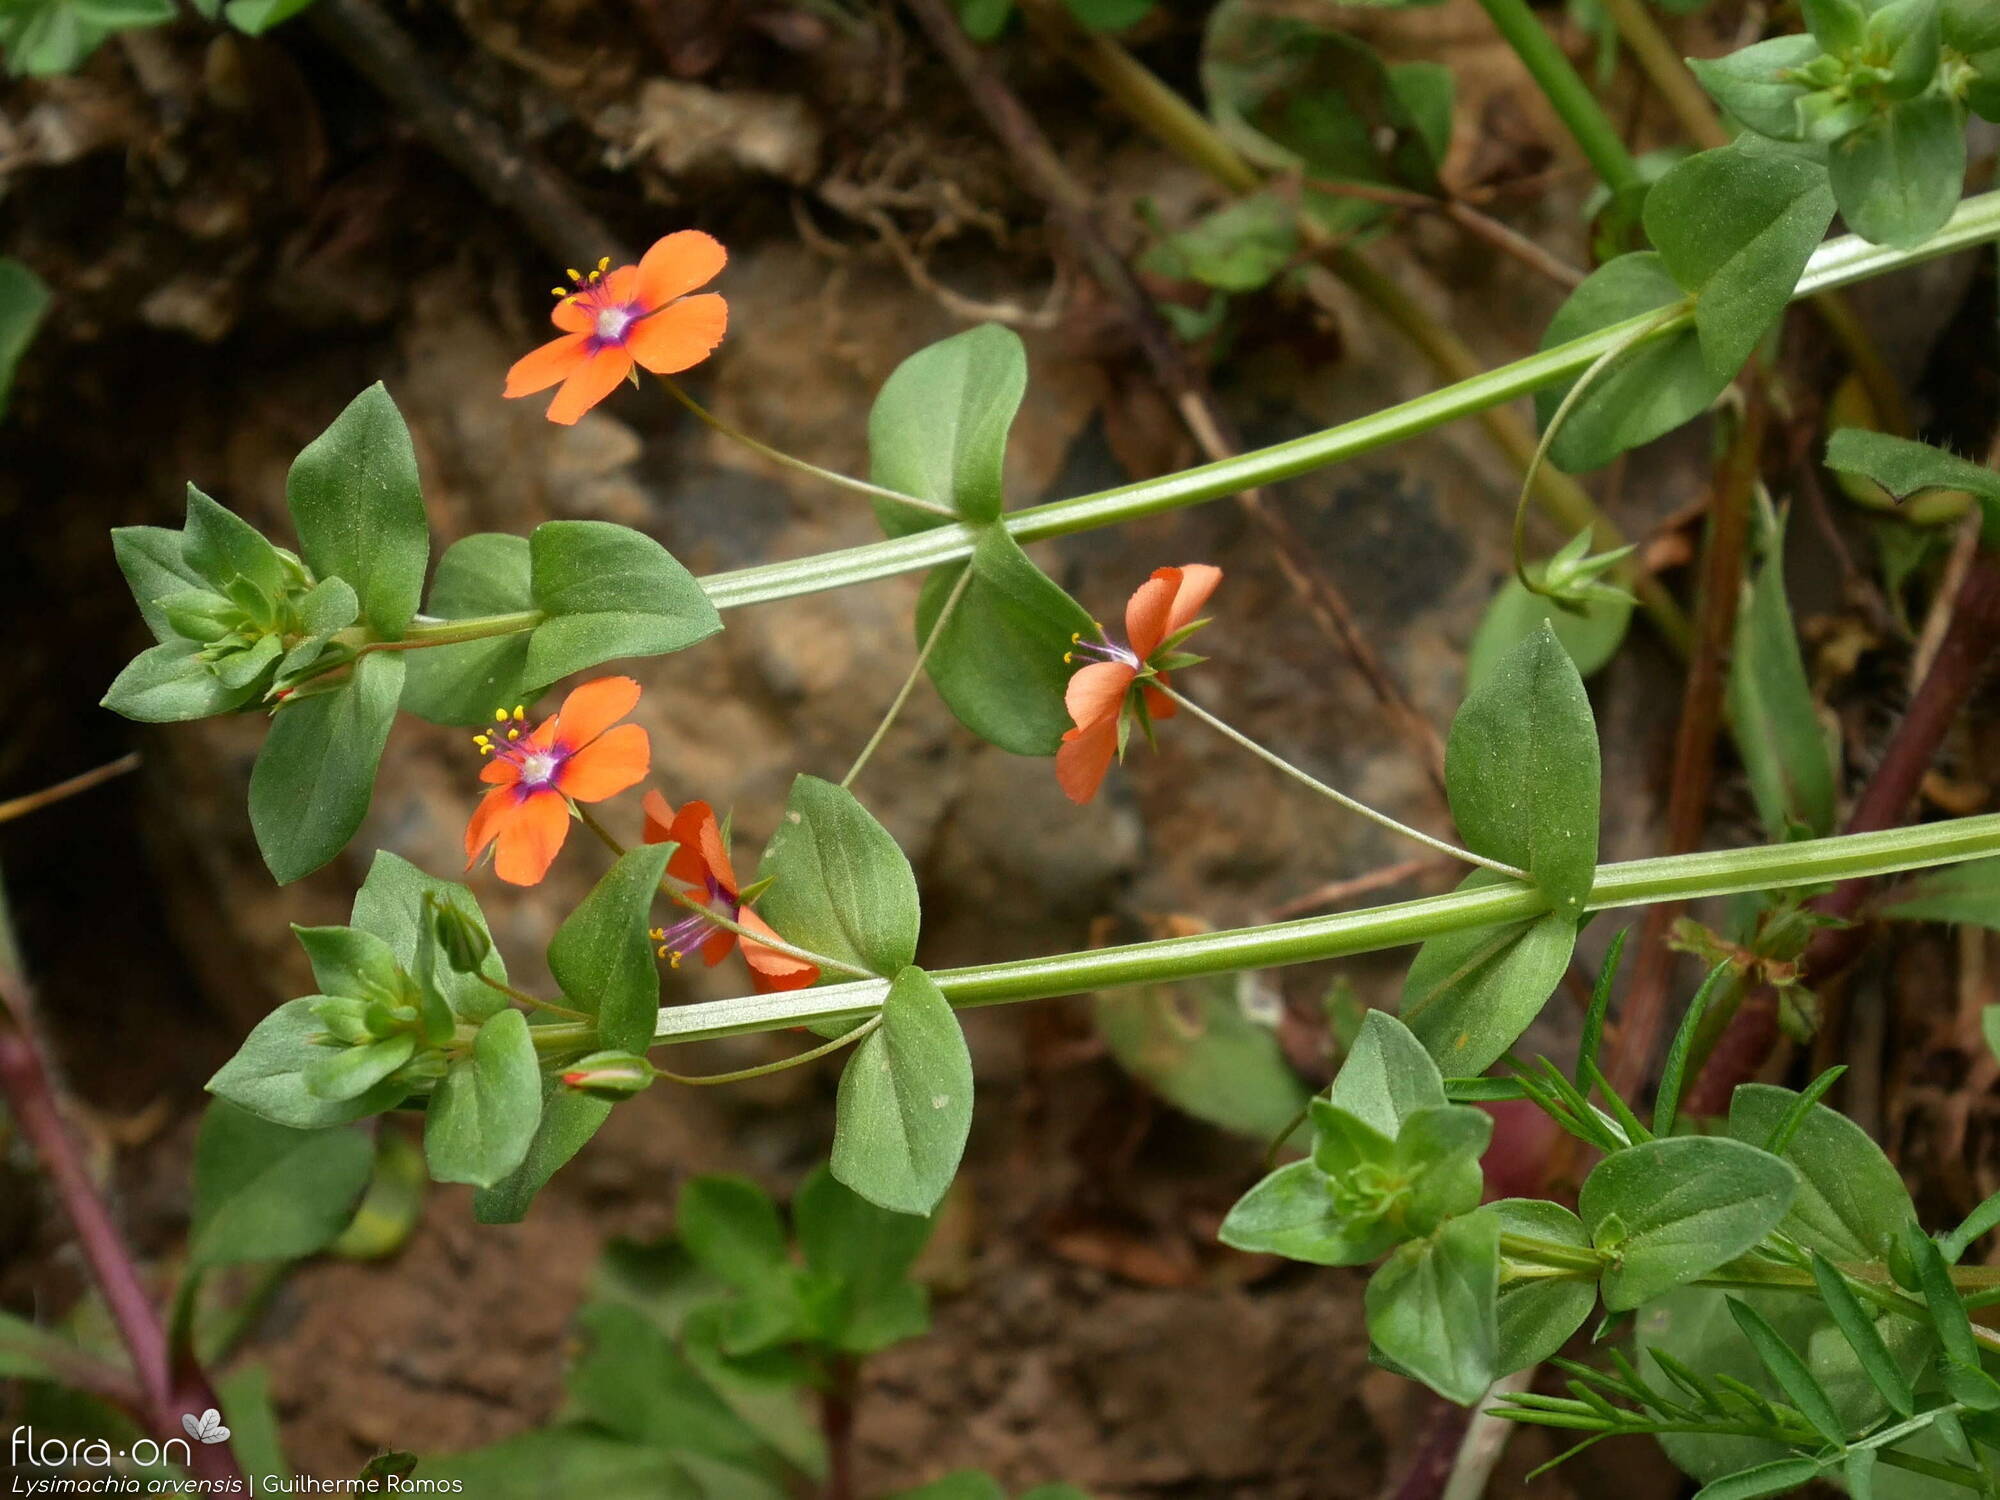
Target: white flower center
(538, 767)
(612, 323)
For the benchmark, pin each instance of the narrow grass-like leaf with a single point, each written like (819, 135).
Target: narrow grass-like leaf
(1790, 1371)
(1858, 1328)
(1667, 1103)
(1600, 1005)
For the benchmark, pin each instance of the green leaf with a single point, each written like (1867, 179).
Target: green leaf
(1948, 1316)
(963, 1484)
(905, 1102)
(1778, 1477)
(569, 1120)
(390, 904)
(1736, 229)
(269, 1192)
(1239, 248)
(1790, 1371)
(841, 887)
(1469, 995)
(31, 1353)
(313, 779)
(1536, 1316)
(1110, 15)
(487, 1106)
(220, 546)
(1433, 1308)
(23, 301)
(1899, 176)
(1292, 1213)
(486, 574)
(1521, 770)
(1387, 1075)
(347, 961)
(602, 958)
(608, 592)
(151, 559)
(1757, 86)
(326, 609)
(938, 429)
(1202, 1047)
(1680, 1207)
(1905, 468)
(999, 665)
(1591, 634)
(1857, 1326)
(731, 1228)
(867, 1252)
(569, 1459)
(355, 498)
(1305, 98)
(255, 17)
(1648, 391)
(353, 1072)
(266, 1076)
(1851, 1204)
(170, 684)
(984, 20)
(1777, 728)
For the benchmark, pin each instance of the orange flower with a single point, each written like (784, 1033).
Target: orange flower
(580, 754)
(702, 863)
(634, 315)
(1158, 617)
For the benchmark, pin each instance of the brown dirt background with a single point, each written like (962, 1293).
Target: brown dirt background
(241, 235)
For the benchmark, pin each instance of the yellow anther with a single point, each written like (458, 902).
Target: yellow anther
(499, 716)
(1068, 657)
(1075, 636)
(604, 264)
(657, 934)
(674, 960)
(513, 734)
(520, 713)
(558, 291)
(575, 274)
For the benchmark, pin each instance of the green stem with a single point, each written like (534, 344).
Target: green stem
(422, 633)
(916, 671)
(763, 1070)
(1571, 397)
(534, 1002)
(1341, 934)
(778, 945)
(799, 465)
(1567, 93)
(1839, 262)
(1278, 762)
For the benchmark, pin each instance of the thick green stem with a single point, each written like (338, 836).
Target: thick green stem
(1839, 262)
(1567, 93)
(422, 632)
(1632, 883)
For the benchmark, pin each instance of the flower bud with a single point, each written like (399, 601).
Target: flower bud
(613, 1075)
(464, 942)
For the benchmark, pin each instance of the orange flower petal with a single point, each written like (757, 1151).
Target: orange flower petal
(1146, 612)
(692, 828)
(595, 379)
(616, 759)
(771, 970)
(677, 337)
(1158, 704)
(486, 820)
(1198, 581)
(592, 708)
(531, 835)
(497, 772)
(572, 316)
(677, 264)
(659, 819)
(717, 946)
(1096, 693)
(549, 365)
(1084, 759)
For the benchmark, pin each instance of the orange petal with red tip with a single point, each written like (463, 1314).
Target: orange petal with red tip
(677, 264)
(592, 708)
(616, 759)
(486, 820)
(1085, 757)
(680, 336)
(597, 378)
(549, 365)
(659, 819)
(1198, 581)
(1096, 693)
(771, 970)
(531, 835)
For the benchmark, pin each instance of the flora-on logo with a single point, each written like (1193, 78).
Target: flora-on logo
(206, 1428)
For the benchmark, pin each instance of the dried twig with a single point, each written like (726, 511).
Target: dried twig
(20, 807)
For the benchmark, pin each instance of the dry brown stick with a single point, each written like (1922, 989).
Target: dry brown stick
(1017, 130)
(511, 177)
(1968, 645)
(20, 807)
(1697, 734)
(1336, 892)
(1482, 226)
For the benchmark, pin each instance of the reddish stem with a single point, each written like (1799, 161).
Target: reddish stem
(836, 1425)
(164, 1392)
(1972, 638)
